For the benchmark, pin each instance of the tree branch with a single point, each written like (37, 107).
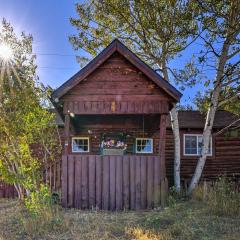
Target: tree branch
(225, 128)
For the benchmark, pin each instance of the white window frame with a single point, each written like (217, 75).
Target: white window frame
(144, 151)
(76, 138)
(197, 135)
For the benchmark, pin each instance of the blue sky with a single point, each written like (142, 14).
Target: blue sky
(48, 22)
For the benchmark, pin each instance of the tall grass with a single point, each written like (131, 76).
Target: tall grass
(222, 198)
(47, 220)
(213, 213)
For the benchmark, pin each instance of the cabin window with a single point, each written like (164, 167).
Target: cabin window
(193, 145)
(80, 144)
(144, 145)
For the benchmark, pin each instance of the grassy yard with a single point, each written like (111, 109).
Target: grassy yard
(186, 220)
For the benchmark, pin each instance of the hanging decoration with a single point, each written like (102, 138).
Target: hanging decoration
(113, 106)
(113, 144)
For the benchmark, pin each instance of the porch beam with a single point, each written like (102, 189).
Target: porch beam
(67, 134)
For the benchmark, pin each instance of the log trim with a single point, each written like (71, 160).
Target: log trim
(119, 107)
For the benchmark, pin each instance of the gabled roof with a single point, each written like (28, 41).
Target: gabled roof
(116, 46)
(196, 119)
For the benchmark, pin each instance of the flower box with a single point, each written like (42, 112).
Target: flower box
(113, 151)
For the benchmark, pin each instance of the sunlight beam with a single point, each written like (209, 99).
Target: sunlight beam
(6, 53)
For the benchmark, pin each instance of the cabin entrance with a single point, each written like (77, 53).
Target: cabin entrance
(112, 94)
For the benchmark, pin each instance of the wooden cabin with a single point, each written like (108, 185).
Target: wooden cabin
(115, 114)
(118, 147)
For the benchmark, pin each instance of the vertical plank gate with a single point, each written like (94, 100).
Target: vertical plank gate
(7, 190)
(111, 182)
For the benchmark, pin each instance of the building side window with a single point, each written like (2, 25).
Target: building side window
(193, 145)
(144, 145)
(80, 144)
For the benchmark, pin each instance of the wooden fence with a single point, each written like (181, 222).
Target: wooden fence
(52, 175)
(7, 190)
(112, 182)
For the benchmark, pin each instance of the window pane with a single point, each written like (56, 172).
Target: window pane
(138, 142)
(77, 148)
(75, 144)
(149, 142)
(139, 148)
(147, 148)
(74, 147)
(80, 141)
(144, 145)
(80, 145)
(144, 142)
(191, 144)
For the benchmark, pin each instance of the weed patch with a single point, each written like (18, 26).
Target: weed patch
(222, 198)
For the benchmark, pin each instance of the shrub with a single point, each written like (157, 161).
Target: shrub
(40, 214)
(174, 196)
(38, 200)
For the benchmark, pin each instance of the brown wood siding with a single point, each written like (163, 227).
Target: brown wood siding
(224, 161)
(116, 76)
(95, 186)
(114, 49)
(116, 86)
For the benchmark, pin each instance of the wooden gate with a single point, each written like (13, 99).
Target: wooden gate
(111, 182)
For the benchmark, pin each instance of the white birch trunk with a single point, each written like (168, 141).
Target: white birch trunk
(177, 158)
(210, 119)
(206, 139)
(20, 191)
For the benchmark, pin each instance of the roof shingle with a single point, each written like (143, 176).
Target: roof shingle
(195, 119)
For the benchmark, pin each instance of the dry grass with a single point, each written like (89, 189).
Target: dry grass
(222, 198)
(186, 220)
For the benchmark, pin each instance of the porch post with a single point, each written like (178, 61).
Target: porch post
(67, 134)
(162, 144)
(64, 175)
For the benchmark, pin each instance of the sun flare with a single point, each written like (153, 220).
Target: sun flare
(6, 52)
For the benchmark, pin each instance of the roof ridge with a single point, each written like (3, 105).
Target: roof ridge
(114, 46)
